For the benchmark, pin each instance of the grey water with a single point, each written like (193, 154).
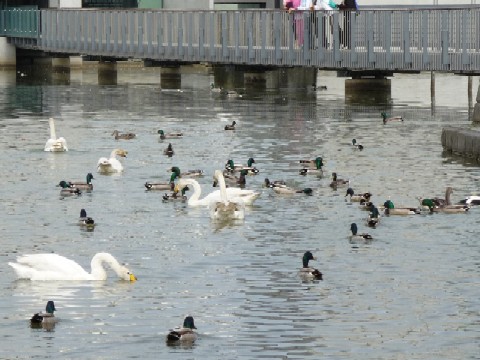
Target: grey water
(412, 293)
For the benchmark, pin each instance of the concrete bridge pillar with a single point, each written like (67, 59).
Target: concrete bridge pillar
(476, 109)
(228, 77)
(368, 91)
(107, 73)
(170, 77)
(8, 54)
(61, 70)
(255, 79)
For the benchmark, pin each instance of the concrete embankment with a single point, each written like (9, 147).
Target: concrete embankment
(464, 142)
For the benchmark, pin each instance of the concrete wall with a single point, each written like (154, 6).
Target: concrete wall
(462, 142)
(8, 53)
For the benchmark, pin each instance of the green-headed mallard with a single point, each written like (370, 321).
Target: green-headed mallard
(172, 135)
(83, 185)
(176, 173)
(67, 189)
(44, 319)
(169, 150)
(124, 136)
(355, 237)
(336, 182)
(313, 169)
(390, 209)
(85, 220)
(309, 272)
(232, 126)
(271, 184)
(358, 197)
(55, 144)
(373, 217)
(111, 165)
(184, 334)
(316, 163)
(356, 145)
(387, 118)
(251, 170)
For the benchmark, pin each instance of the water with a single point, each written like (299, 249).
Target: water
(410, 294)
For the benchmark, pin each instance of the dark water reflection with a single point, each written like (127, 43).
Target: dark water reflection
(411, 293)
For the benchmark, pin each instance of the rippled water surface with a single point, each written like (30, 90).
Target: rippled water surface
(412, 293)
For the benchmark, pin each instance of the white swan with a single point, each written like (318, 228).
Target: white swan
(111, 165)
(55, 267)
(54, 144)
(247, 196)
(226, 209)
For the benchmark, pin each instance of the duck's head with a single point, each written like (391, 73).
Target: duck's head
(50, 308)
(230, 165)
(89, 178)
(319, 162)
(64, 184)
(160, 132)
(250, 162)
(389, 204)
(267, 183)
(354, 141)
(428, 202)
(175, 173)
(349, 192)
(83, 213)
(306, 258)
(307, 191)
(374, 212)
(334, 176)
(188, 322)
(354, 228)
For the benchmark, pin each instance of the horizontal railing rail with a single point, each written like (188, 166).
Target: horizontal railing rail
(390, 40)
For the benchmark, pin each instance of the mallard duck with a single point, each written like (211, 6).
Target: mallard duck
(160, 186)
(232, 180)
(112, 164)
(309, 272)
(373, 217)
(67, 189)
(356, 146)
(358, 197)
(85, 221)
(390, 209)
(176, 173)
(285, 190)
(83, 185)
(185, 333)
(316, 170)
(124, 136)
(55, 144)
(169, 150)
(176, 196)
(336, 182)
(55, 267)
(44, 318)
(231, 167)
(231, 127)
(173, 135)
(316, 163)
(356, 237)
(386, 118)
(366, 205)
(470, 200)
(271, 184)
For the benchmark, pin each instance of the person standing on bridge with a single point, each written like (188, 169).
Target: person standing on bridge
(302, 5)
(347, 6)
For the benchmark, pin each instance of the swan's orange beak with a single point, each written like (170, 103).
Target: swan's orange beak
(133, 277)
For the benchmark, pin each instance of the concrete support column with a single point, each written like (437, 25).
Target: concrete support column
(170, 77)
(476, 109)
(8, 54)
(61, 71)
(228, 77)
(255, 79)
(368, 91)
(107, 73)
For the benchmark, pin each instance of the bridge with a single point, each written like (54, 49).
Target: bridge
(388, 40)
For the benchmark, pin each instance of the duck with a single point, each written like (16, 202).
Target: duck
(160, 186)
(68, 190)
(356, 237)
(314, 164)
(175, 196)
(169, 150)
(251, 170)
(309, 272)
(184, 334)
(373, 217)
(176, 173)
(216, 90)
(232, 126)
(55, 144)
(54, 267)
(232, 180)
(247, 196)
(85, 220)
(433, 206)
(316, 170)
(44, 318)
(386, 118)
(274, 183)
(356, 145)
(83, 185)
(226, 208)
(470, 200)
(112, 164)
(366, 205)
(336, 182)
(286, 190)
(124, 136)
(358, 197)
(390, 209)
(173, 135)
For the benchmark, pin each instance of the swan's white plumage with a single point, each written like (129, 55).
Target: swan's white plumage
(112, 164)
(226, 208)
(53, 144)
(247, 196)
(56, 267)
